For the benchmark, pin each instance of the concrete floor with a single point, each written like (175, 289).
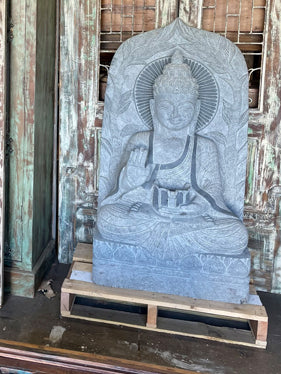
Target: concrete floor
(38, 321)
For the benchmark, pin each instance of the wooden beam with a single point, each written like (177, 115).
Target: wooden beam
(67, 300)
(152, 312)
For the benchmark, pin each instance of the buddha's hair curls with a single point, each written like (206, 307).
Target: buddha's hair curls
(176, 78)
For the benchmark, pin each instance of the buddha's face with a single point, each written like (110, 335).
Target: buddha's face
(174, 111)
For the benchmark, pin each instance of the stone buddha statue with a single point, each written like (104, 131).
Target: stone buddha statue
(168, 197)
(169, 216)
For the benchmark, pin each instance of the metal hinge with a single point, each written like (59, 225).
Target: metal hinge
(9, 145)
(10, 31)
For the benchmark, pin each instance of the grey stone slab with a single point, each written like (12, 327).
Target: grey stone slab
(173, 162)
(194, 284)
(126, 254)
(206, 276)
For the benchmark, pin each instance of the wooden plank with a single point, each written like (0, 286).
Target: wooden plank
(152, 311)
(166, 12)
(190, 12)
(70, 270)
(83, 252)
(82, 266)
(166, 325)
(66, 302)
(57, 360)
(259, 329)
(3, 44)
(242, 311)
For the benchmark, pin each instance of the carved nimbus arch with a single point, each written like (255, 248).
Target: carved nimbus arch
(208, 90)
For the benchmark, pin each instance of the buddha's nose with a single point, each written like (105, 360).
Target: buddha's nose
(175, 112)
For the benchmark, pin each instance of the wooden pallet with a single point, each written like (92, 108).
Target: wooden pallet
(243, 324)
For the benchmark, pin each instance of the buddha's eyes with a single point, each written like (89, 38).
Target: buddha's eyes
(181, 108)
(165, 105)
(186, 108)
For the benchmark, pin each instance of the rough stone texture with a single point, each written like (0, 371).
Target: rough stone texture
(173, 161)
(206, 276)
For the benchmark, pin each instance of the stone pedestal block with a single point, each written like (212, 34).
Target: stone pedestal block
(205, 276)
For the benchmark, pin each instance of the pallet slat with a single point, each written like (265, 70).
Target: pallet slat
(243, 311)
(83, 253)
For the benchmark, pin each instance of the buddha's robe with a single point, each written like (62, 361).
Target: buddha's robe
(179, 210)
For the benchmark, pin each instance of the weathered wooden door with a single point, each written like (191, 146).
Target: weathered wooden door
(90, 33)
(3, 44)
(29, 244)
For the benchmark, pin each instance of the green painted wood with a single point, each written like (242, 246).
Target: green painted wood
(3, 51)
(22, 72)
(43, 126)
(32, 67)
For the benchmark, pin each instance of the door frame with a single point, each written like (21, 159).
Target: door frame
(3, 75)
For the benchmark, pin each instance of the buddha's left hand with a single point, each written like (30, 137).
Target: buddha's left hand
(195, 207)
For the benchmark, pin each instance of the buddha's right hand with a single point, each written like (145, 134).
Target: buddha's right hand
(135, 173)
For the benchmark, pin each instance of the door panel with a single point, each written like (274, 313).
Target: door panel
(29, 243)
(79, 43)
(263, 207)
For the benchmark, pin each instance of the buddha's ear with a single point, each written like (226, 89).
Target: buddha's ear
(192, 128)
(152, 107)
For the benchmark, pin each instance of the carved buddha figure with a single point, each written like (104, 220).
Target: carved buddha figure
(169, 194)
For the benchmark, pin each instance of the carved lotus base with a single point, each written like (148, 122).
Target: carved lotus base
(203, 276)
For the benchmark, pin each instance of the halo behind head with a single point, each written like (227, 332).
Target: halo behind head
(208, 92)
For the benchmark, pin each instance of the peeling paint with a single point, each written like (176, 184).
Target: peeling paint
(262, 215)
(78, 101)
(31, 105)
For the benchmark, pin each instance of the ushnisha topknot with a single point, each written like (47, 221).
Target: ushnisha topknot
(176, 78)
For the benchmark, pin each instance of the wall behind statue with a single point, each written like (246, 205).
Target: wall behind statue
(90, 33)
